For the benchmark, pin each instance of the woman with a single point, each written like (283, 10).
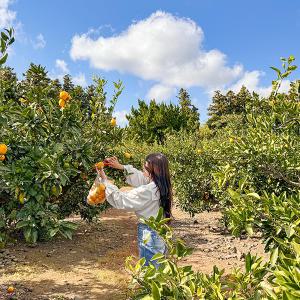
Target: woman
(152, 190)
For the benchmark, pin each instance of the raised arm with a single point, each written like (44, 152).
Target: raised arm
(134, 177)
(133, 200)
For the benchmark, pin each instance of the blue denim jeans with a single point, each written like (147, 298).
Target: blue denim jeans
(149, 243)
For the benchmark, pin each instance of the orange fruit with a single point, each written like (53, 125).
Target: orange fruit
(93, 192)
(61, 103)
(101, 187)
(3, 149)
(22, 100)
(2, 157)
(90, 201)
(100, 198)
(93, 197)
(21, 198)
(10, 289)
(100, 165)
(127, 155)
(113, 122)
(64, 96)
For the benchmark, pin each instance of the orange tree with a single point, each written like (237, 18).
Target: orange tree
(53, 139)
(260, 168)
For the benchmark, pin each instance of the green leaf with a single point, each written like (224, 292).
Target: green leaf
(4, 36)
(187, 291)
(147, 297)
(248, 262)
(34, 235)
(159, 215)
(11, 41)
(66, 233)
(292, 68)
(290, 231)
(276, 70)
(139, 264)
(164, 221)
(291, 58)
(249, 229)
(5, 169)
(254, 195)
(233, 194)
(287, 296)
(3, 59)
(27, 234)
(296, 247)
(155, 291)
(69, 225)
(157, 256)
(180, 250)
(22, 224)
(53, 232)
(274, 256)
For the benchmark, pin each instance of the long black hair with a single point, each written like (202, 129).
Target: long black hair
(158, 169)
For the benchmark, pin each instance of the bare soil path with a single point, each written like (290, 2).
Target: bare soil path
(91, 266)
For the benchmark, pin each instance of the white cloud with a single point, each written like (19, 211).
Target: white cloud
(160, 92)
(6, 16)
(169, 51)
(251, 80)
(39, 42)
(80, 79)
(121, 117)
(163, 48)
(62, 66)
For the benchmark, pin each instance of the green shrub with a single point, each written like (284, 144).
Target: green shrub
(276, 279)
(48, 168)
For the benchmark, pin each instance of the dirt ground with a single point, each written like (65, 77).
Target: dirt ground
(91, 266)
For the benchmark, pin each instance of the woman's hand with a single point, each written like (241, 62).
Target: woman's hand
(114, 163)
(101, 173)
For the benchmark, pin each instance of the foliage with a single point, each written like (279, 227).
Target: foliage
(288, 68)
(48, 168)
(250, 162)
(191, 168)
(152, 122)
(6, 39)
(225, 107)
(276, 279)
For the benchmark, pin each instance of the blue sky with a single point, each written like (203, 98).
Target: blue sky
(156, 47)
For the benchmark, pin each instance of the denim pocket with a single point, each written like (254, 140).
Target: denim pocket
(149, 239)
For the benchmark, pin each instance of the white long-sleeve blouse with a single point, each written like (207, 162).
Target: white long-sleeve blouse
(144, 199)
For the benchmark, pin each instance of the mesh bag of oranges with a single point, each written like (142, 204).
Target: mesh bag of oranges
(97, 192)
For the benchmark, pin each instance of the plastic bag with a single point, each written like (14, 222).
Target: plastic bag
(97, 192)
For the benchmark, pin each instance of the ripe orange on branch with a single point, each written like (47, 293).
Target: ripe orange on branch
(3, 149)
(113, 122)
(128, 155)
(62, 103)
(100, 165)
(64, 96)
(2, 157)
(10, 289)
